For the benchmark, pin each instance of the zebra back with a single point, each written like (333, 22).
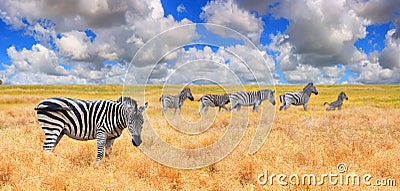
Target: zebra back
(215, 99)
(247, 98)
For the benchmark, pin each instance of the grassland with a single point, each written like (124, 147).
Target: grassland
(365, 135)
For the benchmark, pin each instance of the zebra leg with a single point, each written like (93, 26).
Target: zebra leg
(226, 109)
(53, 136)
(283, 106)
(206, 109)
(238, 107)
(219, 109)
(233, 105)
(282, 98)
(109, 143)
(305, 106)
(339, 107)
(255, 107)
(201, 107)
(101, 142)
(163, 109)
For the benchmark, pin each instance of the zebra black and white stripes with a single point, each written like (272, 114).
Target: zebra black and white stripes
(103, 120)
(253, 98)
(213, 101)
(176, 102)
(298, 98)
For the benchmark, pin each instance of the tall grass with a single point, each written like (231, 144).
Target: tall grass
(365, 135)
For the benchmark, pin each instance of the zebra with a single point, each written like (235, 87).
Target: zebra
(253, 98)
(103, 120)
(298, 98)
(338, 103)
(176, 102)
(214, 101)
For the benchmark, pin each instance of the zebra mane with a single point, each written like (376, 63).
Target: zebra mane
(308, 85)
(184, 90)
(342, 95)
(128, 101)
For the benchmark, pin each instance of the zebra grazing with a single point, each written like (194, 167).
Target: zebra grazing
(176, 102)
(298, 98)
(338, 103)
(253, 98)
(214, 101)
(103, 120)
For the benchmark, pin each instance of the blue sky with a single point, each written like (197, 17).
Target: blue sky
(326, 42)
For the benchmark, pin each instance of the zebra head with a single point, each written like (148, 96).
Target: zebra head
(186, 93)
(268, 94)
(135, 124)
(134, 118)
(225, 98)
(343, 96)
(311, 88)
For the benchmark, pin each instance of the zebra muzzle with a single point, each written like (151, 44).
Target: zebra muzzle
(136, 140)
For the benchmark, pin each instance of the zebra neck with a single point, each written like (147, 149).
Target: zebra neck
(307, 92)
(182, 97)
(123, 117)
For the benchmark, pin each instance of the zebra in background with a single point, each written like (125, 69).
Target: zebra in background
(253, 98)
(176, 102)
(338, 103)
(298, 98)
(213, 101)
(103, 120)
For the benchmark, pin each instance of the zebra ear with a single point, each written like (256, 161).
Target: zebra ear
(142, 108)
(119, 99)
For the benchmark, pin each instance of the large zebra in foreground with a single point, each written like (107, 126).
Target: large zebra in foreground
(176, 102)
(103, 120)
(213, 101)
(298, 98)
(253, 98)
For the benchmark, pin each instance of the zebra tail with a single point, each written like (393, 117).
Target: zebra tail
(326, 103)
(52, 108)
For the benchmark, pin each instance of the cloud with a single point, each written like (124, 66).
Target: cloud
(120, 28)
(262, 7)
(320, 35)
(373, 73)
(390, 57)
(181, 8)
(229, 14)
(74, 44)
(236, 64)
(38, 59)
(376, 11)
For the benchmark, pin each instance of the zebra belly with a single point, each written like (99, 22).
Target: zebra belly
(81, 138)
(297, 104)
(246, 104)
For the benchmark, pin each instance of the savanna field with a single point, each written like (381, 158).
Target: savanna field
(364, 135)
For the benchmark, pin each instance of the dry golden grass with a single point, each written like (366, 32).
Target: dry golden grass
(365, 135)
